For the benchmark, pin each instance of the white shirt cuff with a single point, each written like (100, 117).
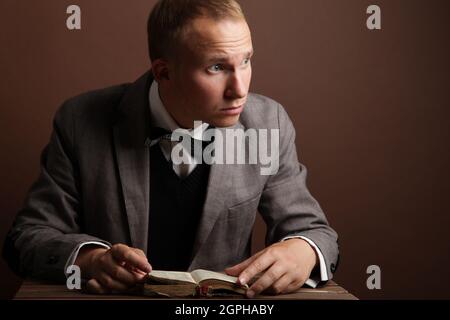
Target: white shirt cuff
(73, 256)
(315, 280)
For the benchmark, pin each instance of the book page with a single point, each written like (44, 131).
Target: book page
(172, 275)
(200, 275)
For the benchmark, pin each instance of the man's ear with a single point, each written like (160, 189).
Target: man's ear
(160, 69)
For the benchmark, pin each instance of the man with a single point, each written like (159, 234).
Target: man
(118, 207)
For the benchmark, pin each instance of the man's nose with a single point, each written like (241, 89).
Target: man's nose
(236, 87)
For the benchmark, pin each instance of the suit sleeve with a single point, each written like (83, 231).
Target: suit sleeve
(287, 206)
(48, 227)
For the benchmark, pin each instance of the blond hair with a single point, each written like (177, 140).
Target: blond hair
(169, 20)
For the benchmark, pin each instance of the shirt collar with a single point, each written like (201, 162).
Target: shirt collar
(160, 117)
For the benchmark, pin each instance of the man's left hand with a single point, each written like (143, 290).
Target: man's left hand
(285, 266)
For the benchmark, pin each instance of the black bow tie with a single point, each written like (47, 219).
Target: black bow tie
(157, 134)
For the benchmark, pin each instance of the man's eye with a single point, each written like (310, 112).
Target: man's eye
(247, 61)
(216, 68)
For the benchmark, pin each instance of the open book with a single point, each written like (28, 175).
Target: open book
(191, 284)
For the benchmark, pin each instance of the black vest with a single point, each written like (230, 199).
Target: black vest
(176, 205)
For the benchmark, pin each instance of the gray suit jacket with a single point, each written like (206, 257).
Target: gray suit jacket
(94, 186)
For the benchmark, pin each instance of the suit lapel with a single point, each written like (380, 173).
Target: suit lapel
(130, 132)
(219, 186)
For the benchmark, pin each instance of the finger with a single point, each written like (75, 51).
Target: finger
(93, 286)
(139, 252)
(260, 264)
(294, 286)
(111, 284)
(272, 275)
(118, 272)
(238, 268)
(137, 274)
(123, 253)
(133, 269)
(140, 278)
(281, 285)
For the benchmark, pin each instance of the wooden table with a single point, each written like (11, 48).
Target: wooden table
(43, 291)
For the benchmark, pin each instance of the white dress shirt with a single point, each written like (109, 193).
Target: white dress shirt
(161, 118)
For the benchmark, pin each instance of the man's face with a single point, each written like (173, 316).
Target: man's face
(211, 76)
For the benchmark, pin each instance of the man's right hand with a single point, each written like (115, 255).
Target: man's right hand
(112, 270)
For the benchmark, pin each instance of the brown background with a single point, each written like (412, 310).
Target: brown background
(370, 108)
